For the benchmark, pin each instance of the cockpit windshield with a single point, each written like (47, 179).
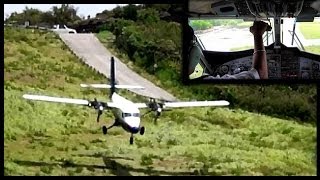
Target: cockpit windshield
(230, 35)
(130, 114)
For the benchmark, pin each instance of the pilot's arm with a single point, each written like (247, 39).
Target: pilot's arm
(259, 56)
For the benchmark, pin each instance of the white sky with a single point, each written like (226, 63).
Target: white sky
(83, 9)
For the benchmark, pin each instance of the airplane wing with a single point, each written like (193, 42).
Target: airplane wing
(187, 104)
(66, 100)
(141, 105)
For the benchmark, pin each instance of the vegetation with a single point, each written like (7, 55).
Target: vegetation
(55, 139)
(149, 41)
(310, 30)
(65, 14)
(313, 49)
(207, 24)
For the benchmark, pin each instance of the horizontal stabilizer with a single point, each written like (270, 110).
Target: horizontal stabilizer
(106, 86)
(56, 99)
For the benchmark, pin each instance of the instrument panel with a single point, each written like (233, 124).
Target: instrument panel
(283, 65)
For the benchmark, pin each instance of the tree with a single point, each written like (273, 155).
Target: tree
(130, 12)
(48, 18)
(28, 14)
(58, 15)
(118, 12)
(65, 14)
(14, 18)
(148, 16)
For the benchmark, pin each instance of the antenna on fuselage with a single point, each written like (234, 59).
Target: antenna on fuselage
(112, 77)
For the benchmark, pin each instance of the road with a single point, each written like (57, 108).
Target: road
(88, 48)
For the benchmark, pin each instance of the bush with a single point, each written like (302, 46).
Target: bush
(146, 160)
(200, 25)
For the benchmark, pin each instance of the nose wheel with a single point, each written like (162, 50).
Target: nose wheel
(131, 139)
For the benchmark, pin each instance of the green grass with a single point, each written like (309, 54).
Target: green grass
(244, 24)
(313, 49)
(208, 24)
(310, 30)
(55, 139)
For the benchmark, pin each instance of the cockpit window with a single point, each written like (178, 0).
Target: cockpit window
(230, 35)
(131, 114)
(224, 35)
(126, 114)
(303, 35)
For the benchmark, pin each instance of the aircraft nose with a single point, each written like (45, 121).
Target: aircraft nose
(132, 122)
(134, 130)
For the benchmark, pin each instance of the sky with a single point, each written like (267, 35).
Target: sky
(83, 9)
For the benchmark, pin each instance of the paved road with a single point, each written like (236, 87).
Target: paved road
(88, 48)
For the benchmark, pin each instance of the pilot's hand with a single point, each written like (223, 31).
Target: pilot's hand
(258, 28)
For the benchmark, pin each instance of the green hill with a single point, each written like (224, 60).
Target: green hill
(56, 139)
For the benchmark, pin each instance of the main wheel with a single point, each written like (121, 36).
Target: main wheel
(104, 129)
(131, 140)
(142, 130)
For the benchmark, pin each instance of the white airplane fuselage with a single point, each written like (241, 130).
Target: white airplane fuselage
(126, 114)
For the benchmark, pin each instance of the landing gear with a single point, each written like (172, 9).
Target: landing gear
(104, 130)
(142, 130)
(131, 139)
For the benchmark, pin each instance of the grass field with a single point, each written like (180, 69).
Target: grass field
(55, 139)
(244, 24)
(313, 49)
(310, 30)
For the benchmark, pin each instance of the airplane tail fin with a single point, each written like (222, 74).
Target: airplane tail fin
(112, 86)
(112, 77)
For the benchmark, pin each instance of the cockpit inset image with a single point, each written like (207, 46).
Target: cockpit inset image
(253, 39)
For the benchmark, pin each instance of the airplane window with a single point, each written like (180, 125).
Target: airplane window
(131, 114)
(127, 114)
(303, 35)
(136, 114)
(225, 35)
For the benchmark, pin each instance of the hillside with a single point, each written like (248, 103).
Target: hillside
(55, 139)
(152, 47)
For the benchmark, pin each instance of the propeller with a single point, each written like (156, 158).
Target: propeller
(156, 107)
(98, 106)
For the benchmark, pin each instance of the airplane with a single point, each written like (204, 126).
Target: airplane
(126, 113)
(210, 53)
